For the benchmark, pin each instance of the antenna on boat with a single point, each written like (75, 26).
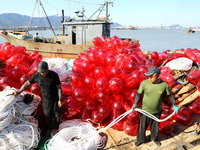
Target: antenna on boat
(107, 15)
(101, 9)
(80, 14)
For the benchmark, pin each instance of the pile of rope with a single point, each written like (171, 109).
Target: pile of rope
(73, 135)
(18, 129)
(78, 135)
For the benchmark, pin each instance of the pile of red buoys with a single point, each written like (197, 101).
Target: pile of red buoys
(104, 82)
(19, 65)
(106, 78)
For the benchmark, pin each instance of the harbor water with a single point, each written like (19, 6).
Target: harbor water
(150, 39)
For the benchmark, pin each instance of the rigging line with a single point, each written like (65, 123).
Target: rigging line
(52, 5)
(40, 20)
(82, 2)
(45, 21)
(48, 31)
(47, 17)
(36, 1)
(96, 11)
(100, 11)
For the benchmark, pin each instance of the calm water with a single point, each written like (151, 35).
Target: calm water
(150, 40)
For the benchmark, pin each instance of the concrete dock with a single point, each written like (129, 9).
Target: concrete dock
(182, 138)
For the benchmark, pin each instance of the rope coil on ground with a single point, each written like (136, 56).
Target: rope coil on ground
(77, 136)
(18, 129)
(72, 131)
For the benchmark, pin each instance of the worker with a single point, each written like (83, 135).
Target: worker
(153, 89)
(50, 86)
(36, 37)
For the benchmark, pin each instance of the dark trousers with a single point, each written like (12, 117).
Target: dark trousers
(51, 108)
(142, 127)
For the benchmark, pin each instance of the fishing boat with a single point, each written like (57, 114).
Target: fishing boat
(190, 31)
(81, 32)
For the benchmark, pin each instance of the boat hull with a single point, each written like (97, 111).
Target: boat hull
(192, 31)
(49, 49)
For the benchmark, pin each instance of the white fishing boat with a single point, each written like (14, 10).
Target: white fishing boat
(81, 32)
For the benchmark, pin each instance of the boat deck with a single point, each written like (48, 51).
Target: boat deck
(182, 138)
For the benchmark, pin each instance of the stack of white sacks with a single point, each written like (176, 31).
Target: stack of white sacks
(18, 128)
(63, 67)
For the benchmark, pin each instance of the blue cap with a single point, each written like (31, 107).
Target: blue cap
(152, 70)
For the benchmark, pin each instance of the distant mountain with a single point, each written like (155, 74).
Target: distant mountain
(13, 20)
(175, 26)
(114, 24)
(10, 20)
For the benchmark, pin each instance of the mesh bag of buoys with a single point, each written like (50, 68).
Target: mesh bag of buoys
(18, 127)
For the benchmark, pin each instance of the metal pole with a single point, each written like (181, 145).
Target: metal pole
(63, 26)
(107, 21)
(31, 16)
(106, 11)
(47, 17)
(96, 11)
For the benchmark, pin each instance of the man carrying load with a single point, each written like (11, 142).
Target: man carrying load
(50, 86)
(153, 90)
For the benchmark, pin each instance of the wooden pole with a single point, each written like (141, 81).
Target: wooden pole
(63, 26)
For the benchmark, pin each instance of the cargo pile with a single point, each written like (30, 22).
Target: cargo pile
(104, 81)
(74, 133)
(18, 128)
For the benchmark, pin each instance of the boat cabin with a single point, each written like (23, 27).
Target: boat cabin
(83, 32)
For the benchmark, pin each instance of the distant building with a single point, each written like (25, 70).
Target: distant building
(124, 28)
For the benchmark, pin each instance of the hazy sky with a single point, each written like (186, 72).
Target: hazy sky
(126, 12)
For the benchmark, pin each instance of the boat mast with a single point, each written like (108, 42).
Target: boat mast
(107, 23)
(63, 26)
(31, 16)
(36, 1)
(106, 11)
(47, 17)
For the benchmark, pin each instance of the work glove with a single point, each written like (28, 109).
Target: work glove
(176, 108)
(133, 107)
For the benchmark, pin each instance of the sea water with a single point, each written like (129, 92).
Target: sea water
(150, 39)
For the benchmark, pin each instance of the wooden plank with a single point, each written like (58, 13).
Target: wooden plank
(181, 137)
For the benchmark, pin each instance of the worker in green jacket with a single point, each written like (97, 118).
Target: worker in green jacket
(153, 89)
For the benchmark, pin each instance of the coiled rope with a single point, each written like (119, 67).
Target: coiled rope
(87, 137)
(18, 129)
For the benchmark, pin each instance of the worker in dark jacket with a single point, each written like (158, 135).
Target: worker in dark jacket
(153, 90)
(50, 86)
